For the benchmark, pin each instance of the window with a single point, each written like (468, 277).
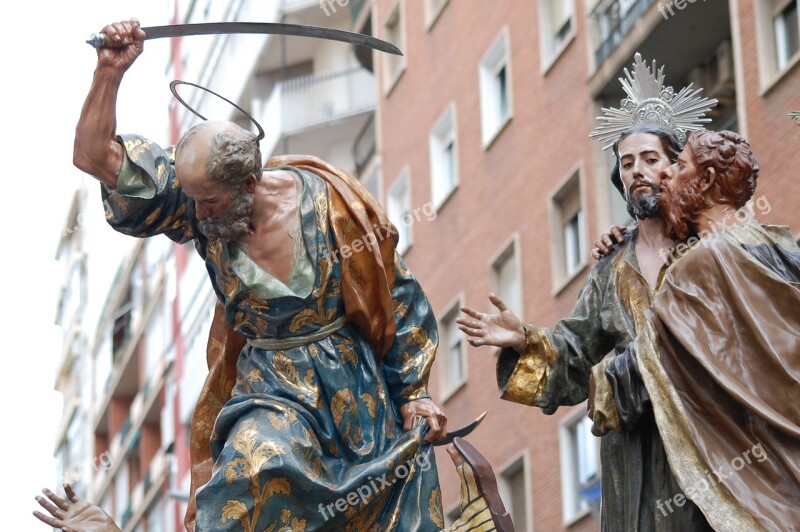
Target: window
(579, 465)
(123, 329)
(122, 492)
(398, 208)
(157, 336)
(495, 85)
(513, 491)
(103, 363)
(786, 23)
(505, 278)
(155, 517)
(433, 8)
(450, 355)
(556, 28)
(444, 157)
(72, 299)
(372, 182)
(568, 231)
(107, 503)
(75, 452)
(778, 32)
(394, 65)
(196, 369)
(573, 242)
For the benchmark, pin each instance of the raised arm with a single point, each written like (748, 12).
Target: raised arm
(96, 150)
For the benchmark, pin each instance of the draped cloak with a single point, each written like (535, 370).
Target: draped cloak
(300, 409)
(720, 358)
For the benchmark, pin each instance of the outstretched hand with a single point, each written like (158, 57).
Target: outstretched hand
(502, 330)
(125, 41)
(73, 514)
(437, 421)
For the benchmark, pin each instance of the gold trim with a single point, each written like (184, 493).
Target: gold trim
(718, 505)
(606, 417)
(529, 378)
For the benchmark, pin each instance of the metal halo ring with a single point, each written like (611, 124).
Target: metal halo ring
(176, 82)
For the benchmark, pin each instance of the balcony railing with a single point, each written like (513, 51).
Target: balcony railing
(309, 101)
(364, 146)
(355, 8)
(614, 19)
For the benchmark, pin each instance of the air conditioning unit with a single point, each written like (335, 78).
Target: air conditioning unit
(697, 77)
(720, 71)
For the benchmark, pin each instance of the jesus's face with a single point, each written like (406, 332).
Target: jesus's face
(641, 162)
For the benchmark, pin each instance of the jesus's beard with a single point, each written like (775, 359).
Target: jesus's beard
(234, 224)
(645, 204)
(681, 208)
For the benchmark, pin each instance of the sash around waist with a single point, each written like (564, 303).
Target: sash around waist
(272, 344)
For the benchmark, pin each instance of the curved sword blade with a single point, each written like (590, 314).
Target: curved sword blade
(271, 28)
(460, 433)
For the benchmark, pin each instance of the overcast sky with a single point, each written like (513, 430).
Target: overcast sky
(46, 70)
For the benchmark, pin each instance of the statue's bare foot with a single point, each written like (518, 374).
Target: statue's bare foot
(72, 514)
(482, 510)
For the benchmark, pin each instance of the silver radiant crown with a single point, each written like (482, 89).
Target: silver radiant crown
(650, 102)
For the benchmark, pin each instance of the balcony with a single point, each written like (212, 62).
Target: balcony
(364, 146)
(615, 18)
(305, 103)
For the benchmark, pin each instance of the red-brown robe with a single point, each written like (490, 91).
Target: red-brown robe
(721, 363)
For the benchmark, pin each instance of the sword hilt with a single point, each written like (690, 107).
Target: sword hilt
(101, 40)
(97, 40)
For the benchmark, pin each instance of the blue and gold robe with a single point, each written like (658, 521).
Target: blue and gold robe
(305, 433)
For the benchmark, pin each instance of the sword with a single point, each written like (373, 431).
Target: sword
(460, 433)
(98, 40)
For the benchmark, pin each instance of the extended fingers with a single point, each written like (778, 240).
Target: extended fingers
(472, 333)
(70, 493)
(472, 313)
(471, 327)
(497, 302)
(477, 342)
(54, 510)
(61, 503)
(46, 519)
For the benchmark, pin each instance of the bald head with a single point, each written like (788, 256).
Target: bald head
(220, 151)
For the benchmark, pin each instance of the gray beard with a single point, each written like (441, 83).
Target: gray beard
(234, 224)
(644, 205)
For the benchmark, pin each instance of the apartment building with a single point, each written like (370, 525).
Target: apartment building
(476, 141)
(483, 128)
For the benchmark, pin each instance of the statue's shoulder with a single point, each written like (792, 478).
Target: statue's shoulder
(618, 251)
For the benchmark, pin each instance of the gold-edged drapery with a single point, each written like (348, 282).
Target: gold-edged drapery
(720, 358)
(367, 279)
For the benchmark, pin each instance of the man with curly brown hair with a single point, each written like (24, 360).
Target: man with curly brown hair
(720, 353)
